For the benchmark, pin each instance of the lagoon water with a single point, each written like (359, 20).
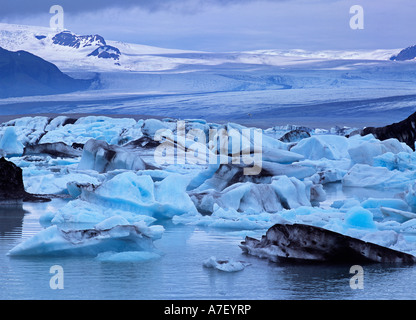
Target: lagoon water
(179, 274)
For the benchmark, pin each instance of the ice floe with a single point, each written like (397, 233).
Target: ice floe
(226, 265)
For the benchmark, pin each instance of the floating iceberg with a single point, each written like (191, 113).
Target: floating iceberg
(226, 265)
(401, 161)
(331, 147)
(9, 142)
(358, 217)
(110, 130)
(366, 176)
(28, 129)
(102, 157)
(51, 183)
(281, 193)
(298, 242)
(113, 234)
(365, 152)
(135, 197)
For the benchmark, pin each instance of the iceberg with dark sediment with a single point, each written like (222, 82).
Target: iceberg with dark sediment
(303, 243)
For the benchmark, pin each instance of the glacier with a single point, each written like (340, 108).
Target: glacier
(263, 88)
(117, 197)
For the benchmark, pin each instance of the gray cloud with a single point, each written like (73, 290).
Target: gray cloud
(226, 25)
(27, 7)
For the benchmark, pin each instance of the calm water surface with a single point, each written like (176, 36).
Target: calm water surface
(179, 273)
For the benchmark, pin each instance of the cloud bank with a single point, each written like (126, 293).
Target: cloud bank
(230, 25)
(25, 7)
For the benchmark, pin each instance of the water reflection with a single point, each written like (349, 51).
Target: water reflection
(179, 273)
(11, 219)
(332, 282)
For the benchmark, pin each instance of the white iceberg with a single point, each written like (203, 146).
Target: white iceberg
(115, 235)
(254, 198)
(110, 130)
(226, 265)
(401, 161)
(51, 183)
(365, 152)
(394, 203)
(135, 197)
(331, 147)
(28, 129)
(366, 176)
(9, 142)
(102, 157)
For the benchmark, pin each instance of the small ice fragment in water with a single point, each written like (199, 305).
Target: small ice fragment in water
(226, 265)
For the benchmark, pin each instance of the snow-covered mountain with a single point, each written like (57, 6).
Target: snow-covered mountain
(72, 52)
(66, 38)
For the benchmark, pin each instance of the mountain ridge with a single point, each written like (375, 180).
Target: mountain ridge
(408, 53)
(25, 74)
(72, 52)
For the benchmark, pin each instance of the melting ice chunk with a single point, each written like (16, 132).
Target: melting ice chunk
(226, 265)
(109, 235)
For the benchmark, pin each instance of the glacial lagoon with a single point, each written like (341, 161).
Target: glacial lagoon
(179, 272)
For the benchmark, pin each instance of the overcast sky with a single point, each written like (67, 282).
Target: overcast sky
(229, 25)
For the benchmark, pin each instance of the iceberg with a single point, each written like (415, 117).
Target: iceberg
(100, 156)
(56, 149)
(80, 212)
(135, 197)
(366, 152)
(397, 215)
(229, 219)
(254, 198)
(303, 243)
(358, 217)
(226, 265)
(366, 176)
(110, 130)
(331, 147)
(393, 203)
(410, 196)
(51, 183)
(401, 161)
(9, 142)
(114, 235)
(28, 129)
